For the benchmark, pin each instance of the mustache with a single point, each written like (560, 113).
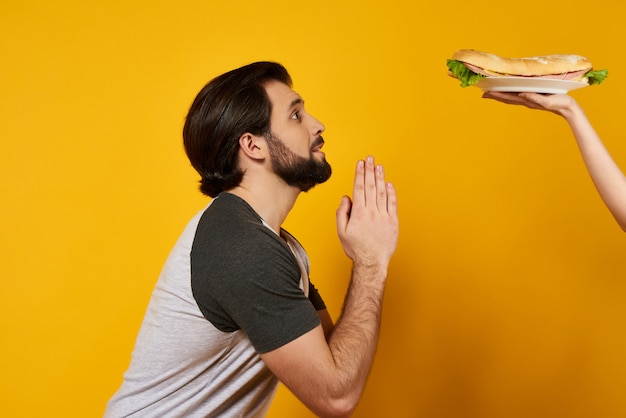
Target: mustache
(319, 141)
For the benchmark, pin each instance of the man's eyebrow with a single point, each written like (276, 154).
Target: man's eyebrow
(296, 101)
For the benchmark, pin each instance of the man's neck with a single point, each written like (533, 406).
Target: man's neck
(273, 204)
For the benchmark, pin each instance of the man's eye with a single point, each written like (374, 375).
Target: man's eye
(296, 115)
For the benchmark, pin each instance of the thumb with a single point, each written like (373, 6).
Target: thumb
(343, 214)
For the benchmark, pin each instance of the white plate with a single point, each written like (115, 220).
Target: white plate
(525, 84)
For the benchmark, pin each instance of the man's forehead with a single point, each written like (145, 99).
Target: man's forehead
(281, 94)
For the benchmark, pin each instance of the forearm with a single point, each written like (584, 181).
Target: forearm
(354, 339)
(607, 177)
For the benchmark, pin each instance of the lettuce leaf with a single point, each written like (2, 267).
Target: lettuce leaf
(460, 71)
(597, 76)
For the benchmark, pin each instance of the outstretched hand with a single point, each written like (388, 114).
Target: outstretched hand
(561, 104)
(367, 225)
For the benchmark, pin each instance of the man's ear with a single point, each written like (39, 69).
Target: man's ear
(252, 146)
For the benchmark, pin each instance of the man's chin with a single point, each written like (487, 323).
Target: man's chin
(319, 178)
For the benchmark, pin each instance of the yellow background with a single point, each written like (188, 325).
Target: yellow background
(506, 296)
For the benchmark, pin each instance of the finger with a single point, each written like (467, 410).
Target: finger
(370, 181)
(509, 98)
(358, 192)
(381, 189)
(533, 97)
(392, 200)
(536, 100)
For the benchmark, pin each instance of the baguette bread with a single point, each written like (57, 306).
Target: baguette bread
(527, 67)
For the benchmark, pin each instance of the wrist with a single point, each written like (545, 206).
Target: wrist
(370, 272)
(572, 112)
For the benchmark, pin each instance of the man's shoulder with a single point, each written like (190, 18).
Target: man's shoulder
(230, 222)
(230, 204)
(229, 212)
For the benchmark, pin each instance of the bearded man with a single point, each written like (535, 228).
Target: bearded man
(234, 312)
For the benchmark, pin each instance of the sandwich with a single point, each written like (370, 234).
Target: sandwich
(470, 66)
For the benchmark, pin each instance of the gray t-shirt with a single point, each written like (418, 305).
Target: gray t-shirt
(231, 288)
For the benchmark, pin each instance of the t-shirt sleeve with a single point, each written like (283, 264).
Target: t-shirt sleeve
(245, 277)
(316, 298)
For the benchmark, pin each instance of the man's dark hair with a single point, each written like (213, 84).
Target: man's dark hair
(227, 107)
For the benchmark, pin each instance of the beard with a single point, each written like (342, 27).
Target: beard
(295, 170)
